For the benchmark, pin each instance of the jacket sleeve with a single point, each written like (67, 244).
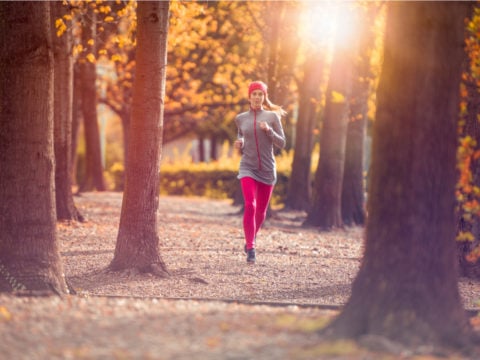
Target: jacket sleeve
(276, 133)
(239, 131)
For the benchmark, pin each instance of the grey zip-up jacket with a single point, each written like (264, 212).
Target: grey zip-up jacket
(258, 160)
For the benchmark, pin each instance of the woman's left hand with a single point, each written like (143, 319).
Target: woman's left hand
(264, 126)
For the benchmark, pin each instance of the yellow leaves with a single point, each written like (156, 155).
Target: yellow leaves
(465, 236)
(5, 315)
(91, 42)
(105, 9)
(60, 26)
(77, 49)
(91, 58)
(337, 97)
(122, 41)
(116, 57)
(109, 19)
(332, 349)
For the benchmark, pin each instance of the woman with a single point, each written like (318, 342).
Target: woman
(259, 130)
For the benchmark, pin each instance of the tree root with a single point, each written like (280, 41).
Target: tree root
(156, 269)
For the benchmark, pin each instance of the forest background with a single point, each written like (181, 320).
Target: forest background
(329, 101)
(302, 50)
(289, 45)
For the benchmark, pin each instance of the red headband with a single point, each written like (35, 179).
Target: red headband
(257, 85)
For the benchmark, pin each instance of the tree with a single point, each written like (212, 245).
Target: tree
(29, 255)
(406, 289)
(138, 241)
(94, 169)
(299, 185)
(63, 101)
(326, 208)
(353, 189)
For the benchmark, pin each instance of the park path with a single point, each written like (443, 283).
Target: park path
(214, 306)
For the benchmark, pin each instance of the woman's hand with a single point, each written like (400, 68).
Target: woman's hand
(238, 144)
(264, 126)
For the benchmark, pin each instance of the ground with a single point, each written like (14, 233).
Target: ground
(213, 306)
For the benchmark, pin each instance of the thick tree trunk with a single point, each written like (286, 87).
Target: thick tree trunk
(63, 94)
(138, 241)
(93, 157)
(29, 255)
(406, 289)
(299, 186)
(326, 207)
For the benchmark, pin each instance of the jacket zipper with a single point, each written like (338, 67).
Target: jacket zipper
(256, 138)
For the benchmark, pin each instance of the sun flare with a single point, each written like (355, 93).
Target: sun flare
(327, 23)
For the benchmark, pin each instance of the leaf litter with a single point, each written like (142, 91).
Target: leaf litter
(213, 306)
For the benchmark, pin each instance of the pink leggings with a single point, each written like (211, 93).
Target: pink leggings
(256, 196)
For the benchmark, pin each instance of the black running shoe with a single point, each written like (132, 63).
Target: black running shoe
(251, 256)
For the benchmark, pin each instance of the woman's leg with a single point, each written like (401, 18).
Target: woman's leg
(249, 190)
(264, 193)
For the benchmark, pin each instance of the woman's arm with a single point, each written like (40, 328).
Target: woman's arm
(275, 132)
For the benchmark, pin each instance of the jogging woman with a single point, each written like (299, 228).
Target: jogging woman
(259, 130)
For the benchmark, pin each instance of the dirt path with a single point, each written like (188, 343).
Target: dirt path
(214, 306)
(202, 244)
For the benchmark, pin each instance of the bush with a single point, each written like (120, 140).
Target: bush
(216, 179)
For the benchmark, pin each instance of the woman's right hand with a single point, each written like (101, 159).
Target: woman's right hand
(238, 144)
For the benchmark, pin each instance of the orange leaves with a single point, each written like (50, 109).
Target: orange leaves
(60, 26)
(474, 255)
(91, 58)
(465, 154)
(5, 315)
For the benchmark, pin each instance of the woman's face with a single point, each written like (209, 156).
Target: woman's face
(256, 99)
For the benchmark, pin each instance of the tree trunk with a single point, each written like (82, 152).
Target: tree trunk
(213, 148)
(138, 241)
(76, 121)
(93, 157)
(201, 149)
(63, 100)
(353, 189)
(406, 289)
(29, 255)
(326, 208)
(299, 186)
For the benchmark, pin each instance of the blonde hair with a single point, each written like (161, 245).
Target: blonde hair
(275, 108)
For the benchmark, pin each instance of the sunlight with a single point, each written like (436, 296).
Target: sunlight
(327, 23)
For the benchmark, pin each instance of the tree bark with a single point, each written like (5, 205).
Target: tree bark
(353, 188)
(138, 240)
(63, 100)
(76, 121)
(29, 255)
(406, 289)
(299, 185)
(93, 157)
(326, 207)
